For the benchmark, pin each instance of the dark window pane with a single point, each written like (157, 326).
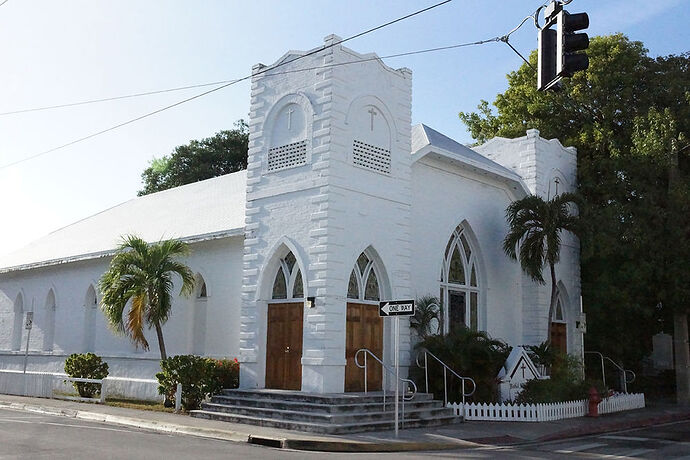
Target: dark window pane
(466, 246)
(456, 272)
(352, 287)
(298, 289)
(456, 307)
(473, 277)
(371, 292)
(362, 262)
(290, 261)
(280, 286)
(202, 291)
(473, 311)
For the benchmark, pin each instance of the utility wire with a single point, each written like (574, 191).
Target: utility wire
(225, 85)
(148, 93)
(4, 2)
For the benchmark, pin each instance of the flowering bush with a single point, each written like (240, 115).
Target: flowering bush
(200, 377)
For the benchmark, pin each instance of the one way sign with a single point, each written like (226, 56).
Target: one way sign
(396, 308)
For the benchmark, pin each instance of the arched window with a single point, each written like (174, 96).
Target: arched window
(559, 328)
(90, 306)
(18, 324)
(288, 283)
(49, 328)
(197, 341)
(459, 283)
(364, 283)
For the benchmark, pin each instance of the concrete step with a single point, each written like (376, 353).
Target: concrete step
(327, 398)
(326, 428)
(354, 407)
(342, 418)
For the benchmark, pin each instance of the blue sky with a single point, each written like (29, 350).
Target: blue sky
(59, 52)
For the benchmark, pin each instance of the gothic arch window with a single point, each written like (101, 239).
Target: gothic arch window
(18, 323)
(460, 288)
(288, 282)
(49, 326)
(197, 342)
(90, 306)
(288, 138)
(364, 282)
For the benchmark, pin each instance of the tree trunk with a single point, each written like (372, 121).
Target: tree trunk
(682, 357)
(552, 305)
(161, 343)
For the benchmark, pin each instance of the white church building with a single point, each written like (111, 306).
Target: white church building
(344, 203)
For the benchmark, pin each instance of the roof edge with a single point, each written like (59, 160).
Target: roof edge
(98, 255)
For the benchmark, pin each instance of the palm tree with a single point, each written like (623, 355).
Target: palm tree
(426, 311)
(141, 276)
(535, 228)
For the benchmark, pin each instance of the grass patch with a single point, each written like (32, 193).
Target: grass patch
(138, 404)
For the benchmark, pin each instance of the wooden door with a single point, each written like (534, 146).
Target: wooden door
(364, 330)
(559, 338)
(284, 346)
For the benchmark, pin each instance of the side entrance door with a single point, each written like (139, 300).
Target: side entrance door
(559, 338)
(284, 346)
(364, 330)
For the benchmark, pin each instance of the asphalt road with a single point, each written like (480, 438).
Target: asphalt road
(26, 435)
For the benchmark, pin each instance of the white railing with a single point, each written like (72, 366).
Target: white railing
(545, 412)
(37, 384)
(43, 385)
(424, 352)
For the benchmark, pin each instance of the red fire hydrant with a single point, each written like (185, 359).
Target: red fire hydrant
(594, 400)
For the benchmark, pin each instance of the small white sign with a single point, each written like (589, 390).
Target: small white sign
(29, 320)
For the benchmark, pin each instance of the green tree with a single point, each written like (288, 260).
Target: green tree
(623, 114)
(536, 226)
(427, 310)
(223, 153)
(137, 287)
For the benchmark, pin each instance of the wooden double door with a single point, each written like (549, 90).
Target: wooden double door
(284, 346)
(559, 337)
(364, 329)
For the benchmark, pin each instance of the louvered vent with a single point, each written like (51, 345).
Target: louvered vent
(287, 156)
(371, 157)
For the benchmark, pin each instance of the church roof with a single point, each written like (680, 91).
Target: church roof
(423, 136)
(207, 209)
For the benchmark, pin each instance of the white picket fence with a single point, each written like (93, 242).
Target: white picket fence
(545, 412)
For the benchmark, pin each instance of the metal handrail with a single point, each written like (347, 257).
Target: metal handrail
(366, 352)
(624, 372)
(445, 379)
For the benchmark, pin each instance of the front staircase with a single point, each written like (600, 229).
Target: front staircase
(323, 413)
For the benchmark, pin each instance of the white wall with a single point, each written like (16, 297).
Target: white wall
(444, 197)
(217, 260)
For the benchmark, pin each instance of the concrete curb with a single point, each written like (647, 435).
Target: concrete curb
(129, 421)
(317, 445)
(226, 435)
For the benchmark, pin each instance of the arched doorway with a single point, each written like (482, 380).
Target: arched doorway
(284, 327)
(559, 329)
(364, 326)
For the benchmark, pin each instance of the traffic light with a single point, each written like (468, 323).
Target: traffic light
(557, 50)
(546, 60)
(568, 61)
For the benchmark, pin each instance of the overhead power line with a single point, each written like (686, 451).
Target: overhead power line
(226, 83)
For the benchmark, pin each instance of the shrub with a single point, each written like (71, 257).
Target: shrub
(225, 374)
(565, 384)
(189, 370)
(199, 377)
(86, 366)
(469, 353)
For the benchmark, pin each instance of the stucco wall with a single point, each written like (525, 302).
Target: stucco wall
(217, 261)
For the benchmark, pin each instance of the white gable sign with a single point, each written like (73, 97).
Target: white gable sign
(517, 370)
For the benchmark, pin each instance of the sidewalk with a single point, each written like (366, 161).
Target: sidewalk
(463, 435)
